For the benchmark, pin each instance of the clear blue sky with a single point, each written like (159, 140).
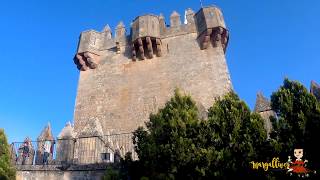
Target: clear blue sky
(270, 39)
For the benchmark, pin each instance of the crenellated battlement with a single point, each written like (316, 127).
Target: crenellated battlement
(147, 33)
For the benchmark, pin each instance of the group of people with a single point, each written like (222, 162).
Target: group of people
(47, 149)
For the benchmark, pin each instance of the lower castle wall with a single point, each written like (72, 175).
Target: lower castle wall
(40, 172)
(59, 175)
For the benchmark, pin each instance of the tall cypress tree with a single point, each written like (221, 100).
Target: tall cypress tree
(7, 171)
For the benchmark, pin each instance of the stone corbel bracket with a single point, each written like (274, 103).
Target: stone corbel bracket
(217, 36)
(146, 46)
(86, 60)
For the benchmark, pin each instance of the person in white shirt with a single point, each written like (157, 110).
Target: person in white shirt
(46, 150)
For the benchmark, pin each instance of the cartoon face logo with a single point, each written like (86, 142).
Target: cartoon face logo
(298, 153)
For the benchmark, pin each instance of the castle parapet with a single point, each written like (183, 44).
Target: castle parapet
(145, 37)
(147, 33)
(91, 44)
(89, 49)
(211, 27)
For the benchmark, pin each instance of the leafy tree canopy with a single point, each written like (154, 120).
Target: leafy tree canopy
(298, 121)
(178, 145)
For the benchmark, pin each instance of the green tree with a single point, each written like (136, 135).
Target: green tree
(237, 135)
(7, 171)
(166, 149)
(178, 145)
(298, 121)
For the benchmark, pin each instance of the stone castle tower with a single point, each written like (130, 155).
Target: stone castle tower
(126, 77)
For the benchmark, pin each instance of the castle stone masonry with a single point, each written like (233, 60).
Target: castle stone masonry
(125, 78)
(263, 107)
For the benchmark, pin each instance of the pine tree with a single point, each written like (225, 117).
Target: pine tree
(7, 171)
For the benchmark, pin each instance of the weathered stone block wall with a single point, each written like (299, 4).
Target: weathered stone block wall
(54, 172)
(121, 93)
(59, 175)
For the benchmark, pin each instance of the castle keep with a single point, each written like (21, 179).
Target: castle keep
(126, 77)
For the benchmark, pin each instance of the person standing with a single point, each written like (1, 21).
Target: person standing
(46, 150)
(25, 152)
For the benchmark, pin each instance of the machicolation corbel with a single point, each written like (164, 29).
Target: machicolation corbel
(86, 60)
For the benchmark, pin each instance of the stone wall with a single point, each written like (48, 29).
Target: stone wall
(59, 175)
(55, 173)
(125, 78)
(121, 93)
